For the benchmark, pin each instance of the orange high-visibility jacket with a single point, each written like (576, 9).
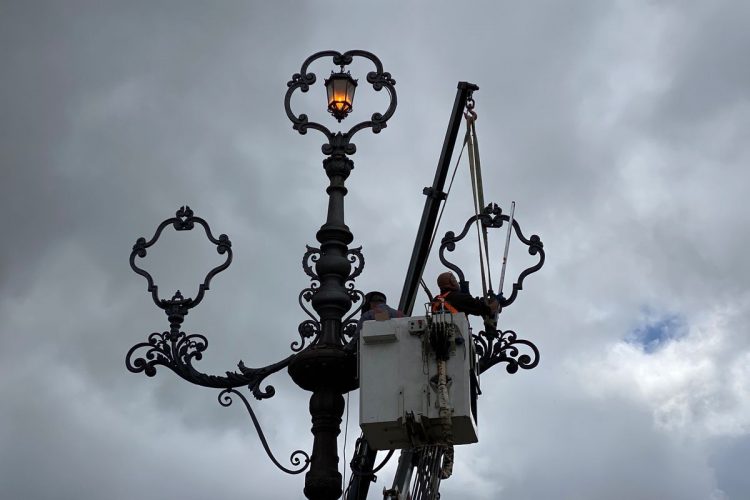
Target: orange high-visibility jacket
(440, 304)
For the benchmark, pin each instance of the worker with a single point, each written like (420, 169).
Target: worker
(452, 299)
(374, 307)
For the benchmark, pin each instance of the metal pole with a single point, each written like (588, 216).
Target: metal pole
(507, 247)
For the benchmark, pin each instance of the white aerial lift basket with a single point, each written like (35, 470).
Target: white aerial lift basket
(398, 403)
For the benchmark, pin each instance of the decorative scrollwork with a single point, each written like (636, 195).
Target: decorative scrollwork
(184, 220)
(357, 260)
(308, 329)
(312, 255)
(356, 296)
(493, 348)
(306, 295)
(177, 350)
(340, 142)
(225, 400)
(535, 247)
(355, 257)
(349, 324)
(492, 217)
(349, 329)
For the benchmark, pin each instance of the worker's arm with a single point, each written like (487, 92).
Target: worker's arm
(467, 304)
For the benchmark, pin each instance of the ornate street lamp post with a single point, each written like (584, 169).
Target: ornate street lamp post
(322, 363)
(325, 368)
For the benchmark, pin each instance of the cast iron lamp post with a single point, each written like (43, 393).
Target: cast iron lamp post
(326, 368)
(322, 363)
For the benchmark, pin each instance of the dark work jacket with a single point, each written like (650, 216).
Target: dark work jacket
(378, 310)
(465, 303)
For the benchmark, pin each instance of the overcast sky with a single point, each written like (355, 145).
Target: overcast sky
(619, 128)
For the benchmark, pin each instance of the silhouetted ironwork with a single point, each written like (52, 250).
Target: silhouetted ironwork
(225, 399)
(175, 349)
(184, 220)
(492, 217)
(321, 363)
(503, 347)
(340, 142)
(491, 346)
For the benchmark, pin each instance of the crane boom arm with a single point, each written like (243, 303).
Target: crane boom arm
(435, 196)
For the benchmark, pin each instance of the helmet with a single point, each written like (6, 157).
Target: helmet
(372, 297)
(446, 281)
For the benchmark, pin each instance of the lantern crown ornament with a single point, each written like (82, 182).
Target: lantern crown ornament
(340, 89)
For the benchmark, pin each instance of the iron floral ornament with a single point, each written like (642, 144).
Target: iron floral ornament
(339, 142)
(309, 329)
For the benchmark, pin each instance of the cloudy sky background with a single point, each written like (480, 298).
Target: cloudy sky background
(619, 128)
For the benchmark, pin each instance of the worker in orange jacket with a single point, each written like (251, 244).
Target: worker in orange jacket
(452, 299)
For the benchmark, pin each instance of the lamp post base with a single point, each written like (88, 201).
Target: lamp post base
(323, 481)
(328, 372)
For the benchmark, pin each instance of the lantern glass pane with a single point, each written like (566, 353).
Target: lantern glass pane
(329, 91)
(350, 87)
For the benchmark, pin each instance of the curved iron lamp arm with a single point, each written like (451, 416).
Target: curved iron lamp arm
(340, 142)
(177, 353)
(225, 400)
(175, 349)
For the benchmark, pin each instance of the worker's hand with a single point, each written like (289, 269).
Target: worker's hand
(490, 327)
(494, 306)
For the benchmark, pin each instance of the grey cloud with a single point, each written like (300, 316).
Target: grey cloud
(617, 128)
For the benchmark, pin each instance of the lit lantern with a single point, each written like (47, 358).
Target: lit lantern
(340, 88)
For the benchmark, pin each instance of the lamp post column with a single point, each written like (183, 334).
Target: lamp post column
(332, 301)
(325, 368)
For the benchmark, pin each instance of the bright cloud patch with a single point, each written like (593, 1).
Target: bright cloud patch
(691, 375)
